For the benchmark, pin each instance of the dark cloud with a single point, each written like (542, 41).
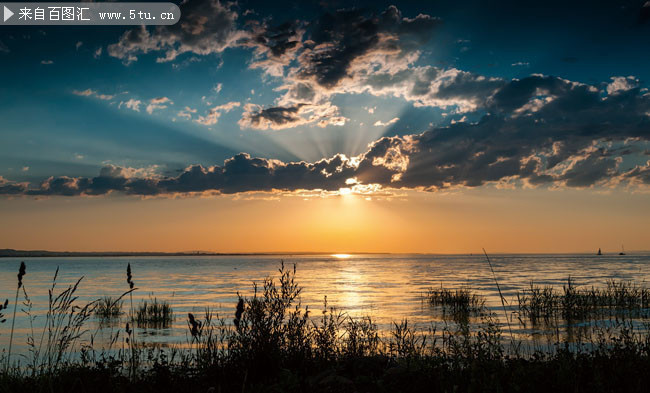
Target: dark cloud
(274, 117)
(12, 188)
(640, 174)
(281, 117)
(338, 39)
(540, 124)
(207, 26)
(277, 39)
(540, 130)
(241, 173)
(275, 45)
(590, 169)
(342, 50)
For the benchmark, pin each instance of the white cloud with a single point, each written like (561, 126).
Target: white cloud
(227, 107)
(132, 104)
(379, 123)
(186, 113)
(337, 121)
(621, 83)
(158, 103)
(213, 115)
(92, 93)
(461, 120)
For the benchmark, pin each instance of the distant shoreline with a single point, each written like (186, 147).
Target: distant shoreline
(11, 253)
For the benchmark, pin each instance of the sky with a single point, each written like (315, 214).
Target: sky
(331, 126)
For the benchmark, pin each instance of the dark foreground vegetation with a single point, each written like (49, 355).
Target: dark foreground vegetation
(275, 345)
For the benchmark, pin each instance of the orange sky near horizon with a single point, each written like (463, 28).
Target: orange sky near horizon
(511, 221)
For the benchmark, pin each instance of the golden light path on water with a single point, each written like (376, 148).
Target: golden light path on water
(388, 288)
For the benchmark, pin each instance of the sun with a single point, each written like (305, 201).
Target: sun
(341, 256)
(345, 191)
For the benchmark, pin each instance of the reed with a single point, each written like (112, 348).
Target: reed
(617, 298)
(459, 301)
(501, 297)
(325, 335)
(130, 338)
(21, 274)
(405, 342)
(361, 338)
(108, 307)
(269, 321)
(210, 338)
(154, 313)
(129, 280)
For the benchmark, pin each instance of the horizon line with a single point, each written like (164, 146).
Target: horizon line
(34, 253)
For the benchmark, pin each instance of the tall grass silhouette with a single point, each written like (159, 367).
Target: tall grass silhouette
(154, 313)
(618, 298)
(459, 301)
(21, 274)
(501, 297)
(108, 307)
(275, 344)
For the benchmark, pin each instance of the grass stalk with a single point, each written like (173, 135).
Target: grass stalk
(21, 273)
(503, 299)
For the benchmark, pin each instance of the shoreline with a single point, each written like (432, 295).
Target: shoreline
(12, 253)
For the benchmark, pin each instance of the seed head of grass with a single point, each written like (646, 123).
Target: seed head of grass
(194, 325)
(2, 308)
(21, 274)
(129, 277)
(239, 312)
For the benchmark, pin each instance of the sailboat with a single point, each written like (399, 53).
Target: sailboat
(622, 251)
(599, 252)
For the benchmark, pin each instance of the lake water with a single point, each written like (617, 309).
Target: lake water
(386, 287)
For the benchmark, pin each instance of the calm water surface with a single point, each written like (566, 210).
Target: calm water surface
(386, 287)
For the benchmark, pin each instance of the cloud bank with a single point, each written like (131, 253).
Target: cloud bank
(540, 130)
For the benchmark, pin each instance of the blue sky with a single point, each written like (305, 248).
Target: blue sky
(86, 103)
